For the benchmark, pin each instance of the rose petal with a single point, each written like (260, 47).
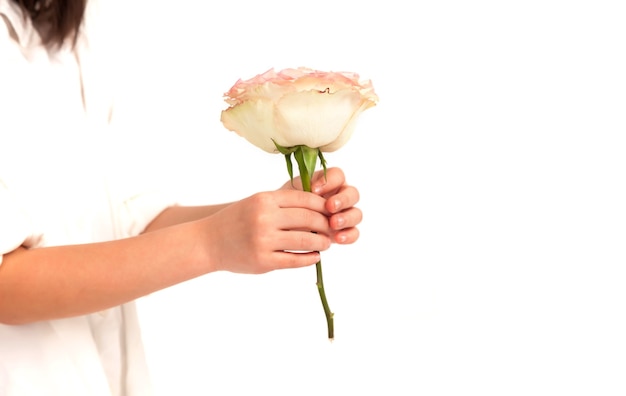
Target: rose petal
(346, 134)
(254, 120)
(298, 107)
(314, 118)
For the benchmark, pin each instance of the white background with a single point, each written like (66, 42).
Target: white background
(492, 175)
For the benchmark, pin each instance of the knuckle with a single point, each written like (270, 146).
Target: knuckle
(358, 215)
(304, 242)
(261, 199)
(326, 245)
(335, 172)
(292, 261)
(307, 218)
(357, 195)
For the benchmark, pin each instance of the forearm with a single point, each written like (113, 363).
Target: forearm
(182, 214)
(57, 282)
(258, 234)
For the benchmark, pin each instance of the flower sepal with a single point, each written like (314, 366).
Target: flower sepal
(306, 158)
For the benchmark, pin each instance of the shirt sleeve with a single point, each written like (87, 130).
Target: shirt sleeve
(138, 211)
(15, 226)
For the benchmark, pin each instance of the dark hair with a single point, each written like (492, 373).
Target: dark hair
(56, 20)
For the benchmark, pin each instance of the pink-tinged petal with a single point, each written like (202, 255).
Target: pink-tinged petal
(299, 106)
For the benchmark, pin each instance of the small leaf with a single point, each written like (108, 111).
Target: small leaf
(289, 167)
(284, 150)
(323, 162)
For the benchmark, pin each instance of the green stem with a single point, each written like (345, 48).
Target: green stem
(320, 287)
(306, 159)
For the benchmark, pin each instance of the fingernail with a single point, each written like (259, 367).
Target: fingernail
(337, 204)
(317, 189)
(340, 221)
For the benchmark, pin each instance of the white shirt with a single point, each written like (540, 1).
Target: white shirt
(62, 182)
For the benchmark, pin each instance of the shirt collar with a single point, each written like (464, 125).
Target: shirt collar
(21, 24)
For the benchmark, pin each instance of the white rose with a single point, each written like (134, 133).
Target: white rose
(297, 107)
